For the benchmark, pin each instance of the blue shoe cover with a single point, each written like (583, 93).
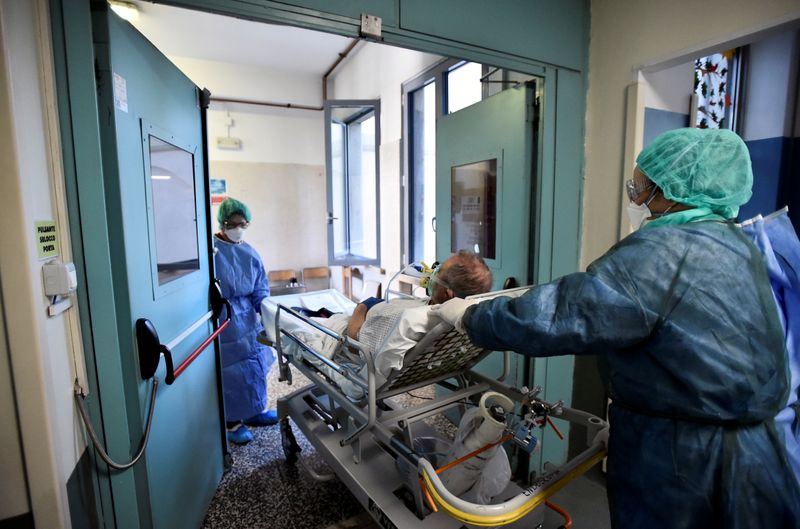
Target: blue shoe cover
(239, 435)
(265, 418)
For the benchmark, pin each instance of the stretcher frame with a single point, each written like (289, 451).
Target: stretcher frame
(363, 440)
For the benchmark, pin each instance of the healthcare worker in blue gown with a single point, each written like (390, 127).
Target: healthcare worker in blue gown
(690, 342)
(245, 362)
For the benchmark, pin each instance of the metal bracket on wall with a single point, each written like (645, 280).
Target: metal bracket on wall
(371, 26)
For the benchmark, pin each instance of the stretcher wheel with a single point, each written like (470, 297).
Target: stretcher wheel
(288, 442)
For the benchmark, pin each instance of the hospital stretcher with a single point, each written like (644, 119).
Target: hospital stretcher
(366, 442)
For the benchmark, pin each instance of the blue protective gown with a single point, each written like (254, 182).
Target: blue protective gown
(245, 362)
(692, 351)
(775, 237)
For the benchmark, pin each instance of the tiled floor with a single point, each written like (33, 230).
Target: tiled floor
(261, 491)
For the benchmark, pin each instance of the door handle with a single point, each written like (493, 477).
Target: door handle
(433, 224)
(510, 282)
(151, 349)
(331, 218)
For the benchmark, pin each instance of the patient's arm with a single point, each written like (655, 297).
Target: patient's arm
(357, 320)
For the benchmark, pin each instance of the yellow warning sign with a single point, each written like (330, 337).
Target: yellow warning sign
(46, 238)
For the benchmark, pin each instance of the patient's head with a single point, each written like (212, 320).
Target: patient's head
(463, 274)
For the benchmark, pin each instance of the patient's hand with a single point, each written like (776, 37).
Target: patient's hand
(356, 321)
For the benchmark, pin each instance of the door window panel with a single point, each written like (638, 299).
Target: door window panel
(422, 205)
(474, 208)
(174, 210)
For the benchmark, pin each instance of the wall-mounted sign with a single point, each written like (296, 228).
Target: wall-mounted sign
(120, 92)
(46, 239)
(218, 189)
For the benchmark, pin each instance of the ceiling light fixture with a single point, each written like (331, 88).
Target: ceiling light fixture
(126, 10)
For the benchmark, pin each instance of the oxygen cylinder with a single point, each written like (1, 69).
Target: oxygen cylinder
(478, 428)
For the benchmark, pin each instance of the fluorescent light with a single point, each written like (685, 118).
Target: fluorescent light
(126, 10)
(160, 177)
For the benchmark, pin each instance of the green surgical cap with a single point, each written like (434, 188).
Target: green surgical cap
(230, 207)
(700, 167)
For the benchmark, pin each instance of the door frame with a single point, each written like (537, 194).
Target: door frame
(559, 181)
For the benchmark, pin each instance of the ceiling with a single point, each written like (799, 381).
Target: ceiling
(188, 33)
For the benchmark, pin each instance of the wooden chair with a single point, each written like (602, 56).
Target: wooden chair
(282, 278)
(317, 278)
(364, 282)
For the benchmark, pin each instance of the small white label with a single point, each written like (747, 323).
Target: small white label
(120, 93)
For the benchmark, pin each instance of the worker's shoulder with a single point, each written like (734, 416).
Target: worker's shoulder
(656, 241)
(688, 233)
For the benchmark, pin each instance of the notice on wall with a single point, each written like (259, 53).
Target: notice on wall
(120, 92)
(46, 239)
(219, 190)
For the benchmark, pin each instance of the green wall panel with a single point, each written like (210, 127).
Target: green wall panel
(551, 32)
(386, 9)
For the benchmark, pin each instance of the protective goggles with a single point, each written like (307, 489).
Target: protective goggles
(233, 225)
(636, 186)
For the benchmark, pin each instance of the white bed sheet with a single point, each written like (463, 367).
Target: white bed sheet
(389, 343)
(331, 299)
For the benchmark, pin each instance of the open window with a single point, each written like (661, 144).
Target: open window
(352, 141)
(717, 89)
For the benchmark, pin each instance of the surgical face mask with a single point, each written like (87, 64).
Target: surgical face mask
(235, 234)
(639, 213)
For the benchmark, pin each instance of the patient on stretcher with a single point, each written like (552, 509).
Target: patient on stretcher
(390, 329)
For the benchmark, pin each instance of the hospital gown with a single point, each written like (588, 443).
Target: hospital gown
(245, 362)
(389, 332)
(692, 351)
(775, 237)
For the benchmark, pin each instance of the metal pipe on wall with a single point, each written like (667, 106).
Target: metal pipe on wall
(342, 56)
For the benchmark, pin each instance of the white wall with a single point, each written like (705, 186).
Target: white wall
(272, 135)
(671, 88)
(40, 347)
(625, 36)
(771, 90)
(268, 135)
(252, 82)
(279, 171)
(14, 497)
(286, 237)
(375, 71)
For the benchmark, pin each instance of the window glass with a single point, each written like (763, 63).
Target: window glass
(712, 86)
(353, 220)
(339, 211)
(362, 182)
(423, 173)
(464, 86)
(174, 210)
(474, 208)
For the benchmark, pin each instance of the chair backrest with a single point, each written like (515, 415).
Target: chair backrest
(317, 278)
(282, 278)
(371, 282)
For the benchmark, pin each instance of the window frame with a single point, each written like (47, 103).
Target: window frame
(148, 129)
(436, 73)
(351, 259)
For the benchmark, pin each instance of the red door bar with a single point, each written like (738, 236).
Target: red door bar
(189, 359)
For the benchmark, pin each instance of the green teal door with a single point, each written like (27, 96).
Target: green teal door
(151, 122)
(484, 175)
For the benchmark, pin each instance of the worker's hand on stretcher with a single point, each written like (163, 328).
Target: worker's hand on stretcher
(452, 311)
